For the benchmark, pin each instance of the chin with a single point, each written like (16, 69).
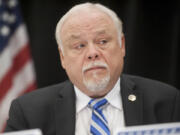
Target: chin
(97, 86)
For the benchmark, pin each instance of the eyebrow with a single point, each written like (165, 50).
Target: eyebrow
(72, 36)
(100, 32)
(75, 36)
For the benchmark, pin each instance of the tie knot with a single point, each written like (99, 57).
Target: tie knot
(97, 104)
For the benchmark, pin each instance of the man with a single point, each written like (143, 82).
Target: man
(92, 48)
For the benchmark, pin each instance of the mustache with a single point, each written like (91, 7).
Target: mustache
(94, 64)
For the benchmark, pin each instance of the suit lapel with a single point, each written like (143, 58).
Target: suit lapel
(65, 111)
(133, 112)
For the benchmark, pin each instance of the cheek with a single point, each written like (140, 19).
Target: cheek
(114, 59)
(73, 65)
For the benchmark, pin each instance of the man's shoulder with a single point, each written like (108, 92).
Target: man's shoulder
(146, 84)
(46, 94)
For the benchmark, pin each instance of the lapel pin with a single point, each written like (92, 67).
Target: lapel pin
(132, 97)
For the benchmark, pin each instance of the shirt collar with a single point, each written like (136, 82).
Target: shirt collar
(113, 97)
(82, 99)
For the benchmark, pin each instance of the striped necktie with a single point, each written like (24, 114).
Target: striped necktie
(99, 124)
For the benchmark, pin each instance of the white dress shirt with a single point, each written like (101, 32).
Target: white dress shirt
(113, 112)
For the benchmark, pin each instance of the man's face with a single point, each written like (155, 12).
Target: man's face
(92, 56)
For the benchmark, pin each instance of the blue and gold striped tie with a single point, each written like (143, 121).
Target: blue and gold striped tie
(99, 124)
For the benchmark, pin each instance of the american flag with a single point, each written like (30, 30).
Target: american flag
(16, 67)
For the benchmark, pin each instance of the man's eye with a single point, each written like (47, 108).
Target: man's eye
(80, 46)
(103, 42)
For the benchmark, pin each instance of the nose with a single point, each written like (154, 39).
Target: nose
(93, 57)
(93, 52)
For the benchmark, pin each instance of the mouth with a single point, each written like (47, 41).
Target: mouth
(96, 68)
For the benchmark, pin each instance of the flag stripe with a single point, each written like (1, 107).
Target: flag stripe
(25, 75)
(18, 62)
(16, 42)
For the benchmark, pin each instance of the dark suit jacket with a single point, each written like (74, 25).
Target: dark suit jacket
(52, 109)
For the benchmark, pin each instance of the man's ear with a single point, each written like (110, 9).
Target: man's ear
(61, 57)
(123, 47)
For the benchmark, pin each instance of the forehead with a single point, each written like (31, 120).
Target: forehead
(88, 21)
